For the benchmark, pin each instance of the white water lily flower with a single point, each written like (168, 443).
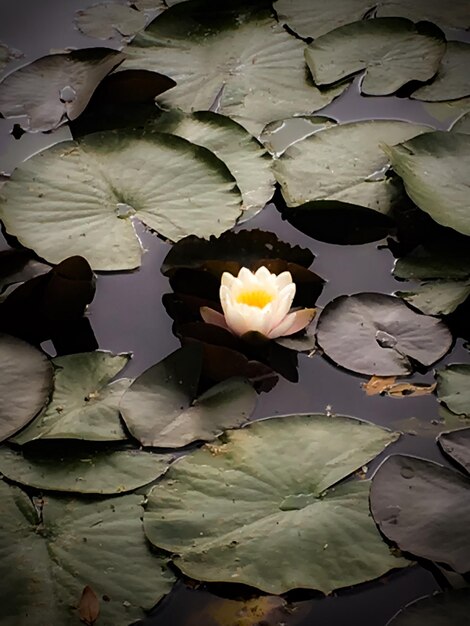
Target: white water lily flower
(258, 301)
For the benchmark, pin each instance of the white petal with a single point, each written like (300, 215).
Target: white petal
(247, 277)
(292, 323)
(282, 305)
(263, 274)
(227, 280)
(213, 317)
(283, 279)
(237, 322)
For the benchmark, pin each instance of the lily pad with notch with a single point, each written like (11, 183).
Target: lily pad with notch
(84, 470)
(25, 384)
(55, 88)
(84, 403)
(50, 554)
(377, 334)
(258, 509)
(424, 508)
(393, 51)
(453, 387)
(456, 444)
(161, 407)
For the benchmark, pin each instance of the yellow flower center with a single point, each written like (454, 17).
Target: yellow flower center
(256, 297)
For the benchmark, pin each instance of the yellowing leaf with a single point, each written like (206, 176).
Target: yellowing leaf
(378, 384)
(89, 607)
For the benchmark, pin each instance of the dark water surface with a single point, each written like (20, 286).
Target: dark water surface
(127, 315)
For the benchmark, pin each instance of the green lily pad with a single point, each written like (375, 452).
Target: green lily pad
(84, 403)
(434, 262)
(260, 73)
(277, 136)
(457, 445)
(161, 407)
(109, 20)
(442, 609)
(393, 51)
(173, 186)
(434, 169)
(453, 387)
(261, 510)
(82, 471)
(439, 297)
(49, 557)
(313, 18)
(55, 88)
(462, 125)
(424, 508)
(377, 334)
(452, 81)
(345, 164)
(244, 156)
(25, 384)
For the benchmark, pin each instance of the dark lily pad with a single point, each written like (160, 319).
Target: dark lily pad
(434, 262)
(452, 81)
(457, 445)
(373, 333)
(261, 510)
(110, 20)
(25, 384)
(439, 297)
(49, 557)
(55, 88)
(161, 407)
(82, 471)
(434, 169)
(393, 51)
(453, 387)
(19, 265)
(451, 608)
(424, 508)
(84, 403)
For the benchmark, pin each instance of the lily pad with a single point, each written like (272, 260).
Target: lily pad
(260, 73)
(84, 403)
(462, 125)
(453, 387)
(277, 136)
(439, 297)
(261, 510)
(452, 80)
(434, 262)
(441, 609)
(161, 407)
(393, 51)
(373, 333)
(246, 159)
(25, 384)
(173, 186)
(48, 558)
(345, 164)
(434, 169)
(18, 265)
(424, 508)
(457, 445)
(55, 88)
(109, 20)
(75, 470)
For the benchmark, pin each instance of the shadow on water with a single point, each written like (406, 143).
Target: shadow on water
(127, 315)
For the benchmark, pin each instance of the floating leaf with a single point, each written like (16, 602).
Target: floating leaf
(453, 387)
(392, 51)
(457, 445)
(264, 511)
(442, 609)
(110, 20)
(388, 386)
(260, 73)
(378, 384)
(345, 164)
(452, 80)
(373, 333)
(173, 186)
(161, 407)
(84, 404)
(89, 607)
(279, 135)
(434, 169)
(424, 508)
(25, 384)
(462, 125)
(243, 155)
(55, 88)
(439, 297)
(433, 262)
(98, 471)
(48, 560)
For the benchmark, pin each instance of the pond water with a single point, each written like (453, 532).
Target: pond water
(127, 315)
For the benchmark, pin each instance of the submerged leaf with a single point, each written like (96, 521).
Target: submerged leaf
(109, 20)
(452, 80)
(373, 333)
(392, 51)
(441, 609)
(25, 384)
(55, 88)
(234, 512)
